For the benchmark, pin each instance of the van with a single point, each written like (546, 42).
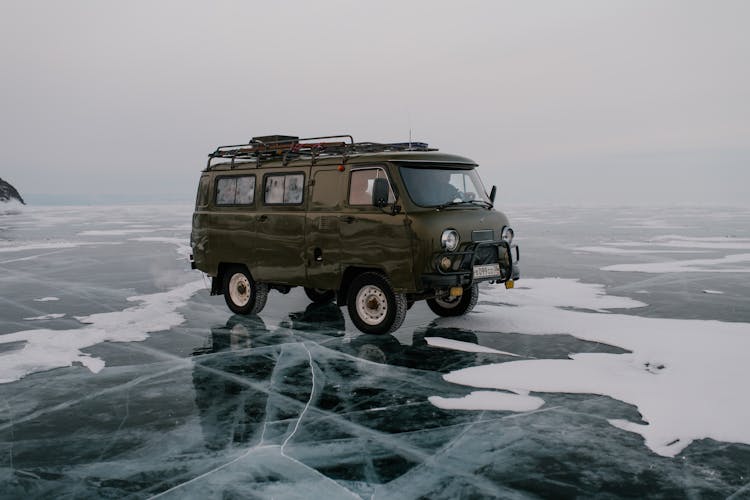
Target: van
(375, 227)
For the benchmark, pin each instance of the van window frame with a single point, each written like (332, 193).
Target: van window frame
(224, 205)
(284, 174)
(376, 166)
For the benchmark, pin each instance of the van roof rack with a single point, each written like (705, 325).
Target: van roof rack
(289, 147)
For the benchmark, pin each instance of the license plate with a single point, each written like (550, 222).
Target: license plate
(487, 271)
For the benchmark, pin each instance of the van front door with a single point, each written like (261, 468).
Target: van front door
(374, 237)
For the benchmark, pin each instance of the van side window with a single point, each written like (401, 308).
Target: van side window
(284, 189)
(235, 190)
(360, 187)
(327, 190)
(201, 199)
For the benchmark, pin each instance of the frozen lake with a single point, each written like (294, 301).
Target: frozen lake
(617, 368)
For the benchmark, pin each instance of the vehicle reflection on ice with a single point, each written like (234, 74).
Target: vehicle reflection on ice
(252, 381)
(355, 409)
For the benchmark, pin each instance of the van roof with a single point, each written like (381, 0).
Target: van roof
(284, 150)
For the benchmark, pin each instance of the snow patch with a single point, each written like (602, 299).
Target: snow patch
(458, 345)
(48, 349)
(46, 316)
(613, 250)
(489, 400)
(115, 232)
(46, 299)
(558, 292)
(14, 247)
(11, 207)
(686, 377)
(687, 266)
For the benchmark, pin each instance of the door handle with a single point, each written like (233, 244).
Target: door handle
(261, 218)
(347, 218)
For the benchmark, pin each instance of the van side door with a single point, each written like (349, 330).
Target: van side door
(279, 255)
(322, 241)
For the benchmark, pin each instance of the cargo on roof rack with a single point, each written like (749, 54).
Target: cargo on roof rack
(289, 147)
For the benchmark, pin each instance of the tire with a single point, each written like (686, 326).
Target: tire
(242, 293)
(458, 306)
(374, 306)
(320, 296)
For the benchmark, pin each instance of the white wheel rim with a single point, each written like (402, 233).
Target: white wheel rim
(239, 289)
(372, 305)
(448, 304)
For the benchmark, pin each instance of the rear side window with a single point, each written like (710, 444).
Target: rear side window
(201, 199)
(235, 190)
(284, 189)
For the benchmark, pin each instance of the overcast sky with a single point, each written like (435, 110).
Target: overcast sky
(561, 102)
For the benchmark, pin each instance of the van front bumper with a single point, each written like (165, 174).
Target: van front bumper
(461, 272)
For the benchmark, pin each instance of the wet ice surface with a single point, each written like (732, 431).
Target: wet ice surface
(122, 377)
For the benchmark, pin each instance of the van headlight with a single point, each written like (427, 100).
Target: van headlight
(507, 235)
(449, 239)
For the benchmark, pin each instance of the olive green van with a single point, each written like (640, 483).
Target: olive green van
(374, 226)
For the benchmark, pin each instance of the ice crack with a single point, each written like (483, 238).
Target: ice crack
(309, 401)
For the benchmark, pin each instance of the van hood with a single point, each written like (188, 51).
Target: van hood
(428, 226)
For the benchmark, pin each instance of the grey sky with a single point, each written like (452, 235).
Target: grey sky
(566, 102)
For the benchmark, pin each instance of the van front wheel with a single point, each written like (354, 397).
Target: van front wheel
(320, 296)
(373, 304)
(455, 306)
(242, 293)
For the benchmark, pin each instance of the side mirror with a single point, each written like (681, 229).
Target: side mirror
(380, 192)
(493, 192)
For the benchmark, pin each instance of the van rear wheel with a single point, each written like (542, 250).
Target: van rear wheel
(320, 296)
(455, 306)
(374, 306)
(242, 293)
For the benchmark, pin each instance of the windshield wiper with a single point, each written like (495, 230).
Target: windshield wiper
(464, 202)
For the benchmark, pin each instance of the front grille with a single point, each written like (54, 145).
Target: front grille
(483, 235)
(488, 254)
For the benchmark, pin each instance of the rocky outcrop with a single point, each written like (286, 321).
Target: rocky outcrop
(9, 193)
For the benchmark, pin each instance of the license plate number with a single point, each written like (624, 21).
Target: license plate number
(487, 271)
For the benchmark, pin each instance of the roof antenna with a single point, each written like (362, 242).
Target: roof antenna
(408, 117)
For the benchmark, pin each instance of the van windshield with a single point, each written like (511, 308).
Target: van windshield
(439, 187)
